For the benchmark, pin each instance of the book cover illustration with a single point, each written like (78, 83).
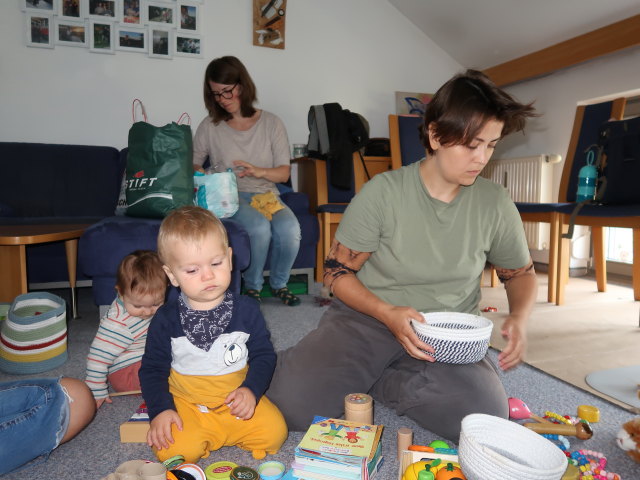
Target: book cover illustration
(340, 437)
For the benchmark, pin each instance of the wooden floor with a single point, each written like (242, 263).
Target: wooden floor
(592, 331)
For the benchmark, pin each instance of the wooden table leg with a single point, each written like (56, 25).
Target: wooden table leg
(71, 247)
(13, 281)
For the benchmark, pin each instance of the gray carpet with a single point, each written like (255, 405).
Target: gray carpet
(97, 451)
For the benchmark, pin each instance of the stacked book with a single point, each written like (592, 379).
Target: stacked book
(335, 449)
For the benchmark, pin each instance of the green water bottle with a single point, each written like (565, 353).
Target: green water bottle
(587, 179)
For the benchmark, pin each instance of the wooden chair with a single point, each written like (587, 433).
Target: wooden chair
(588, 120)
(406, 148)
(329, 202)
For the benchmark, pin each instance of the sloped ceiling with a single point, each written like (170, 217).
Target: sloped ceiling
(484, 33)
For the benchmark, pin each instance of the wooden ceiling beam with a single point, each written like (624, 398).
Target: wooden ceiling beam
(602, 41)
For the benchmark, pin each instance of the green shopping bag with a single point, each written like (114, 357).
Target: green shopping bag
(159, 172)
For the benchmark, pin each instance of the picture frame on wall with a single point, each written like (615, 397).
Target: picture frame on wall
(160, 42)
(131, 39)
(131, 12)
(39, 30)
(71, 34)
(72, 10)
(41, 6)
(101, 36)
(160, 14)
(188, 45)
(188, 20)
(104, 10)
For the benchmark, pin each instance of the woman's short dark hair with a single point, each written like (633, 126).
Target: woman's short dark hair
(229, 71)
(462, 107)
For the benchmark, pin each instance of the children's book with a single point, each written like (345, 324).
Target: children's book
(135, 429)
(338, 449)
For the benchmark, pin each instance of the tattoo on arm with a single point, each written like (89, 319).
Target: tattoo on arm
(342, 261)
(506, 274)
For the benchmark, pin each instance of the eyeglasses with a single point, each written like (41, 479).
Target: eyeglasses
(224, 93)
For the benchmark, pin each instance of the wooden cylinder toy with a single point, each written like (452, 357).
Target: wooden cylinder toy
(358, 407)
(405, 438)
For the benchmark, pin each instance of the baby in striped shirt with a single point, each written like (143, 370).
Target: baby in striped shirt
(116, 352)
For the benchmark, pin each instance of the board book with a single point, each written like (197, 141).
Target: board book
(340, 449)
(135, 429)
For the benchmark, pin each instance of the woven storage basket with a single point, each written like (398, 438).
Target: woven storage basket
(33, 337)
(456, 337)
(498, 449)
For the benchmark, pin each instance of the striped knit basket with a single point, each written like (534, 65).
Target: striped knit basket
(33, 337)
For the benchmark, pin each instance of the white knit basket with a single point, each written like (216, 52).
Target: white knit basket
(456, 337)
(498, 449)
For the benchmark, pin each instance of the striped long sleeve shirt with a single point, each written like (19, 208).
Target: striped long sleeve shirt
(119, 342)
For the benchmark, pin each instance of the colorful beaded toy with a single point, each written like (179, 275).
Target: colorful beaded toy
(590, 463)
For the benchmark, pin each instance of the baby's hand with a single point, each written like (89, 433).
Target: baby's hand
(242, 403)
(159, 435)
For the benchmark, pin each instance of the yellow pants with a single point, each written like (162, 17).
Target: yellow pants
(262, 434)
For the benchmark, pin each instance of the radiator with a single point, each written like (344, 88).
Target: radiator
(528, 179)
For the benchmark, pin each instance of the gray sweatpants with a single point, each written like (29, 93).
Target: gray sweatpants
(350, 352)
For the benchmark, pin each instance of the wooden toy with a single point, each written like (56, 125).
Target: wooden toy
(581, 430)
(405, 439)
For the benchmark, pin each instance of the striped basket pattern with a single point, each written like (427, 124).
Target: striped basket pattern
(33, 337)
(457, 338)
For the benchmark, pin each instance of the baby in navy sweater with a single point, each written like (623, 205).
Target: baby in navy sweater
(209, 357)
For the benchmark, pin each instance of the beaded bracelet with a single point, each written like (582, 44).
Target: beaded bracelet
(560, 440)
(555, 416)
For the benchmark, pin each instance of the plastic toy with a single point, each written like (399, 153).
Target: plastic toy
(450, 472)
(628, 438)
(589, 413)
(519, 410)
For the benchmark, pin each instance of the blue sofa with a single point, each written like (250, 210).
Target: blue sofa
(46, 183)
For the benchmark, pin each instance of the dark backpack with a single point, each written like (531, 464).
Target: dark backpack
(618, 162)
(334, 134)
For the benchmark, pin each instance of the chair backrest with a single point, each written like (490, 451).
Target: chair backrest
(586, 127)
(406, 147)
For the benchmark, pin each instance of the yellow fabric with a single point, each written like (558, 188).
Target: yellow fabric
(262, 434)
(35, 357)
(267, 204)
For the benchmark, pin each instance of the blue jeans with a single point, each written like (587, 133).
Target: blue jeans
(34, 416)
(281, 236)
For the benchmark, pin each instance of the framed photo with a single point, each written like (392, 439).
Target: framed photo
(42, 6)
(131, 12)
(101, 36)
(188, 20)
(72, 10)
(39, 30)
(104, 10)
(72, 34)
(160, 13)
(131, 39)
(160, 42)
(188, 45)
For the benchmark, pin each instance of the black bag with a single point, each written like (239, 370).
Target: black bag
(620, 164)
(334, 134)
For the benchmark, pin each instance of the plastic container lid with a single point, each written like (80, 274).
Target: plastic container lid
(220, 470)
(244, 473)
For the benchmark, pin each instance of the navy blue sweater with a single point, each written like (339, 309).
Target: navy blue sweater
(165, 325)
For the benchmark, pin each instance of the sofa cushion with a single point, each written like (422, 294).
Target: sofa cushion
(60, 181)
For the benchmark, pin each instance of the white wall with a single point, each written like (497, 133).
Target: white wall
(355, 52)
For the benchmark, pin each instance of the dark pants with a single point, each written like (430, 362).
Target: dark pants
(350, 352)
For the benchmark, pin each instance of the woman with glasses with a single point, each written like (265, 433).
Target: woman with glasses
(255, 145)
